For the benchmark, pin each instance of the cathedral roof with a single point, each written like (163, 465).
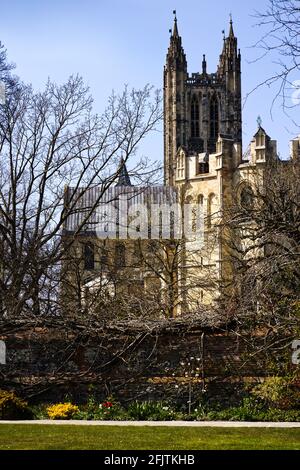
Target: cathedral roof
(95, 200)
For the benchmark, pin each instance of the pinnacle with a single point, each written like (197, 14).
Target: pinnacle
(175, 28)
(231, 32)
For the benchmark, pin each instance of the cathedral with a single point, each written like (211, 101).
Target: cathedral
(204, 166)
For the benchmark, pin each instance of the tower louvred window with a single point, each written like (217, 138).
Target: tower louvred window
(195, 131)
(214, 118)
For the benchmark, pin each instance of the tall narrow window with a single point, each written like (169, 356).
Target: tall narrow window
(203, 168)
(201, 202)
(214, 118)
(89, 256)
(195, 128)
(103, 257)
(120, 255)
(180, 165)
(212, 209)
(137, 253)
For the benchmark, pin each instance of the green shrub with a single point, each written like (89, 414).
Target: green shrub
(149, 410)
(13, 407)
(199, 412)
(40, 411)
(248, 410)
(251, 409)
(107, 410)
(277, 392)
(274, 414)
(89, 410)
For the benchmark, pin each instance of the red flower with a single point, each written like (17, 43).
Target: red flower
(107, 404)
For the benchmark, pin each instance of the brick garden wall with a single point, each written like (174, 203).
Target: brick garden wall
(46, 363)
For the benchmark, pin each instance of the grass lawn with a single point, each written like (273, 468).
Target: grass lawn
(65, 437)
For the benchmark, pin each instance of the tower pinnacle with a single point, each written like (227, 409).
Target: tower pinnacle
(175, 28)
(231, 32)
(204, 65)
(176, 56)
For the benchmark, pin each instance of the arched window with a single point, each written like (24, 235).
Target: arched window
(103, 256)
(195, 118)
(211, 209)
(89, 256)
(200, 211)
(201, 202)
(214, 118)
(246, 197)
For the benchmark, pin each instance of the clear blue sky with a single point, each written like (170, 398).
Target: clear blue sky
(113, 42)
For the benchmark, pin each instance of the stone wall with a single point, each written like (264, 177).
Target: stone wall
(46, 363)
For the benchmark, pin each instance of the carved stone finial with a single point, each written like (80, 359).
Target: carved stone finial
(259, 121)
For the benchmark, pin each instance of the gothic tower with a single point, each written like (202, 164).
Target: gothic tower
(200, 107)
(175, 79)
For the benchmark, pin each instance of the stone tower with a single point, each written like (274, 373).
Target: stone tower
(200, 107)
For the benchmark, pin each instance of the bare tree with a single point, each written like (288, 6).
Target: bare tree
(5, 68)
(48, 140)
(281, 21)
(263, 243)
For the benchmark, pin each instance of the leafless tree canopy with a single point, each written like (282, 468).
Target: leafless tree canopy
(48, 140)
(281, 21)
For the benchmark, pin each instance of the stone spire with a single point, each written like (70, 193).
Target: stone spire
(176, 56)
(231, 33)
(231, 41)
(175, 27)
(123, 178)
(230, 57)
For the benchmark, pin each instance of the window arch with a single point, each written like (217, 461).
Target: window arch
(200, 202)
(212, 204)
(195, 118)
(214, 117)
(189, 200)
